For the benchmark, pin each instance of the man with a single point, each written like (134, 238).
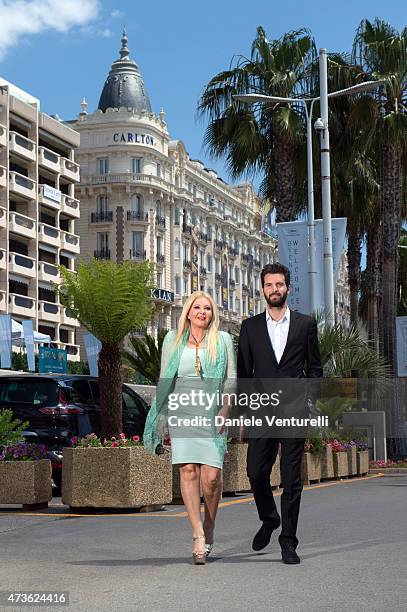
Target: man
(278, 343)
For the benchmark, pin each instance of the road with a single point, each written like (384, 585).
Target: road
(352, 545)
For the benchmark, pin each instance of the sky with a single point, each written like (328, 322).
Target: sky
(61, 50)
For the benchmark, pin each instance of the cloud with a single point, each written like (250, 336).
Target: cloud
(19, 18)
(117, 14)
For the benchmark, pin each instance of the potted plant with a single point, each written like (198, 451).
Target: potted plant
(340, 458)
(234, 467)
(362, 457)
(114, 472)
(311, 467)
(351, 450)
(25, 472)
(327, 462)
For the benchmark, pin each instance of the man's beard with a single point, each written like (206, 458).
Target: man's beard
(277, 303)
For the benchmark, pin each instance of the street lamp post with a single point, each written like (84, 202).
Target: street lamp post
(325, 164)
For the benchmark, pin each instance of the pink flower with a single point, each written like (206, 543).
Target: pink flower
(115, 444)
(123, 436)
(74, 440)
(136, 438)
(113, 438)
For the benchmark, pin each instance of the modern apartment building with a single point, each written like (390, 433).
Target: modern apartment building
(142, 197)
(38, 210)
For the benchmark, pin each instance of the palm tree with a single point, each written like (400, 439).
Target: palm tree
(382, 51)
(145, 357)
(263, 139)
(110, 300)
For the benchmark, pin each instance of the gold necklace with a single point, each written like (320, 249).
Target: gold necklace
(198, 365)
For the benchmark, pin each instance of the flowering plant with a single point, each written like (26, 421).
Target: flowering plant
(381, 463)
(314, 445)
(93, 440)
(361, 445)
(23, 452)
(337, 446)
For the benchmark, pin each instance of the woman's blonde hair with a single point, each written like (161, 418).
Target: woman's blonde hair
(212, 332)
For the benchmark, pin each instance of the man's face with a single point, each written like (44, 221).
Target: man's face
(275, 290)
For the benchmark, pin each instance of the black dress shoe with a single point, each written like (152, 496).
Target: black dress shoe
(263, 536)
(289, 555)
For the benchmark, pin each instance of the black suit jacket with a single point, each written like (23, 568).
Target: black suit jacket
(301, 357)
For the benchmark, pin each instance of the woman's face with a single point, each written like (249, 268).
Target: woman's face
(200, 314)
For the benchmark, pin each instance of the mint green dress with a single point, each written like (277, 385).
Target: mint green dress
(196, 444)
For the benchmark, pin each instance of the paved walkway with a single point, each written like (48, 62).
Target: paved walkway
(352, 544)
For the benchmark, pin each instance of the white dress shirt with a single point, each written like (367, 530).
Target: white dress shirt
(278, 332)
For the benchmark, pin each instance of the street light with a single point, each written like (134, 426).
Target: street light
(308, 108)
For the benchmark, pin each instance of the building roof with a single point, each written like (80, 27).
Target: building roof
(124, 85)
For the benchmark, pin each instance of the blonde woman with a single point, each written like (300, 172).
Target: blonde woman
(197, 360)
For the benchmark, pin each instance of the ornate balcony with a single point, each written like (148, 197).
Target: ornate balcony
(102, 253)
(136, 216)
(137, 254)
(102, 217)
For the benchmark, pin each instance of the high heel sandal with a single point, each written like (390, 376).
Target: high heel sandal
(199, 558)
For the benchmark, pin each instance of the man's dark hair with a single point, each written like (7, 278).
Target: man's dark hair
(275, 268)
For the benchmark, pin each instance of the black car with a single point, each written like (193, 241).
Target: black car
(58, 407)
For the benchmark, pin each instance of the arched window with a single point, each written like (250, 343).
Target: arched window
(136, 203)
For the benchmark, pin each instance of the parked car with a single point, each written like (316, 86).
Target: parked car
(60, 406)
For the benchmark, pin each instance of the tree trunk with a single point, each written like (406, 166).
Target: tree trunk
(284, 164)
(391, 223)
(354, 258)
(373, 281)
(110, 384)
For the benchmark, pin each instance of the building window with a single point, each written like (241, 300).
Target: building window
(210, 291)
(237, 305)
(101, 204)
(176, 216)
(102, 165)
(209, 232)
(194, 191)
(244, 305)
(237, 274)
(218, 297)
(137, 242)
(230, 272)
(186, 288)
(209, 263)
(137, 165)
(177, 285)
(158, 208)
(159, 245)
(217, 265)
(177, 249)
(136, 204)
(102, 241)
(159, 280)
(231, 302)
(158, 169)
(186, 251)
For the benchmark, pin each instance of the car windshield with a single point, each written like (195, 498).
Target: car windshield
(34, 392)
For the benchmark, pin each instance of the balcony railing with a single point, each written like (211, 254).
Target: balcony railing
(137, 215)
(186, 229)
(187, 265)
(22, 184)
(137, 254)
(202, 270)
(160, 221)
(102, 217)
(160, 258)
(22, 145)
(219, 244)
(102, 253)
(218, 277)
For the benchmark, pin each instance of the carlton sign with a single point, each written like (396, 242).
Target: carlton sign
(133, 138)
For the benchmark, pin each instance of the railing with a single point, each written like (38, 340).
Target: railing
(202, 270)
(49, 155)
(67, 165)
(102, 253)
(187, 229)
(22, 220)
(124, 177)
(21, 180)
(70, 202)
(160, 221)
(21, 141)
(187, 265)
(48, 307)
(21, 301)
(71, 239)
(137, 254)
(137, 215)
(21, 260)
(49, 230)
(48, 268)
(219, 244)
(160, 258)
(218, 277)
(100, 217)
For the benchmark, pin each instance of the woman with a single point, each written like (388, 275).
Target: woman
(196, 358)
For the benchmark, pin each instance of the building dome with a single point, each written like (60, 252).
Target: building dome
(124, 85)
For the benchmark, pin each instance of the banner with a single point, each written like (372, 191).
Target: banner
(92, 347)
(28, 330)
(293, 253)
(250, 283)
(194, 260)
(5, 341)
(52, 360)
(401, 333)
(225, 291)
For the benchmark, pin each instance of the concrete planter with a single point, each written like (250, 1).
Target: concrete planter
(311, 468)
(234, 469)
(26, 482)
(115, 477)
(362, 458)
(327, 465)
(275, 478)
(352, 461)
(340, 464)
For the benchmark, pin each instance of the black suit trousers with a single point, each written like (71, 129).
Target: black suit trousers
(261, 455)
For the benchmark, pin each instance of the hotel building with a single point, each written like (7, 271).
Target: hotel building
(38, 210)
(143, 198)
